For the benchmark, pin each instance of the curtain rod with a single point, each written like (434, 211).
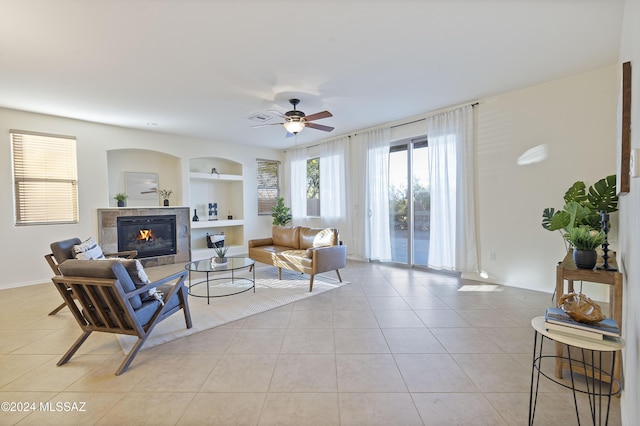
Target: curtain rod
(432, 113)
(423, 118)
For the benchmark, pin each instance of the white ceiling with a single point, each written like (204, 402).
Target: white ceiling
(202, 67)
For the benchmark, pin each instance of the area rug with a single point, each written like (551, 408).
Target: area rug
(270, 293)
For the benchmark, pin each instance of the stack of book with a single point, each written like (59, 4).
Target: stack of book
(559, 322)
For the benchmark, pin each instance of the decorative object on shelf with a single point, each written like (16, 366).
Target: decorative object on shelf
(195, 217)
(585, 241)
(605, 246)
(281, 215)
(229, 216)
(165, 194)
(582, 207)
(215, 240)
(214, 171)
(581, 308)
(213, 211)
(221, 253)
(121, 198)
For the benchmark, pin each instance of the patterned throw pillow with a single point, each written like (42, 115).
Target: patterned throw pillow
(88, 249)
(139, 277)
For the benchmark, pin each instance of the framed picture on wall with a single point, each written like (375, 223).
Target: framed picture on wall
(624, 131)
(142, 188)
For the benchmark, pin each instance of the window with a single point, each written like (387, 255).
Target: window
(45, 178)
(268, 185)
(313, 187)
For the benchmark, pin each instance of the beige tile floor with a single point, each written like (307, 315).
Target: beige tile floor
(395, 347)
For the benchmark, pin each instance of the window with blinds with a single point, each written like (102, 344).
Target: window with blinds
(45, 178)
(268, 185)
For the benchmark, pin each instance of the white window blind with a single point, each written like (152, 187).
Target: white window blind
(268, 185)
(45, 178)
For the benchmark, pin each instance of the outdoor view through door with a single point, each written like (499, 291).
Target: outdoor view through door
(409, 222)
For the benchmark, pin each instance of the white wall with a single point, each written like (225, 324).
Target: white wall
(630, 223)
(23, 247)
(572, 122)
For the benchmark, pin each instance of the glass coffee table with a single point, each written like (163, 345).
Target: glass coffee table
(221, 278)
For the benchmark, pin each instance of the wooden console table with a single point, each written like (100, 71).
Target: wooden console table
(567, 271)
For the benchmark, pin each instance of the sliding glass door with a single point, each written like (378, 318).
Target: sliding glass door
(409, 202)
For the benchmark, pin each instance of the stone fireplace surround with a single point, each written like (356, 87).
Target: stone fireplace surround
(108, 235)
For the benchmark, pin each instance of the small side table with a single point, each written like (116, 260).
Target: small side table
(567, 271)
(593, 382)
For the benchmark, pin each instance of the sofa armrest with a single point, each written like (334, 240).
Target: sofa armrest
(329, 258)
(260, 242)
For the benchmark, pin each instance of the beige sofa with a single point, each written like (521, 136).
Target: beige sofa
(307, 250)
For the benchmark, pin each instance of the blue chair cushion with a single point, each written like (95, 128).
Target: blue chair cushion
(149, 307)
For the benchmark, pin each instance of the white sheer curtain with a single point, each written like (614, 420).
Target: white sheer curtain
(334, 186)
(296, 164)
(452, 242)
(371, 151)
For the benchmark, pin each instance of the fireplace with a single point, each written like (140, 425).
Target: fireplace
(149, 235)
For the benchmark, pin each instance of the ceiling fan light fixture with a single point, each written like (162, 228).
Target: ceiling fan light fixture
(294, 126)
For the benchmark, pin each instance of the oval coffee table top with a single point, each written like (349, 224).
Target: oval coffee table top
(210, 265)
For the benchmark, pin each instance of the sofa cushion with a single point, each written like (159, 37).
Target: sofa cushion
(286, 236)
(317, 237)
(295, 257)
(88, 249)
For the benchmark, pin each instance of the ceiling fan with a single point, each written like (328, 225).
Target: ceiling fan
(295, 120)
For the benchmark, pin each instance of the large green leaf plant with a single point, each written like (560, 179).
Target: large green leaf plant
(583, 207)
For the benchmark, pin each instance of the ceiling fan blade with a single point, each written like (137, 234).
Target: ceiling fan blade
(278, 113)
(318, 116)
(269, 124)
(319, 127)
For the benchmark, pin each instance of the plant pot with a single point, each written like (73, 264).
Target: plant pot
(585, 259)
(166, 202)
(121, 204)
(220, 260)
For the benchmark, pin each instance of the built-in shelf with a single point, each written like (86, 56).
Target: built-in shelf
(225, 189)
(215, 223)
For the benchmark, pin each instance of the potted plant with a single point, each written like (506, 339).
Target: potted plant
(583, 207)
(281, 215)
(165, 194)
(585, 241)
(121, 198)
(221, 253)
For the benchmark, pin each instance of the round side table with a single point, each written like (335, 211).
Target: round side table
(597, 392)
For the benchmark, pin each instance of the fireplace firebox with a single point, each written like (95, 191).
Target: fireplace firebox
(149, 235)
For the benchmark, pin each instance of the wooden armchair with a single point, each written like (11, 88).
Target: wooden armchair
(63, 250)
(104, 298)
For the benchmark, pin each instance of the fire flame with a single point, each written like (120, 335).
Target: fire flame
(145, 234)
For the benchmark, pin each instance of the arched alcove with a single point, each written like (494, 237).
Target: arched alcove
(167, 168)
